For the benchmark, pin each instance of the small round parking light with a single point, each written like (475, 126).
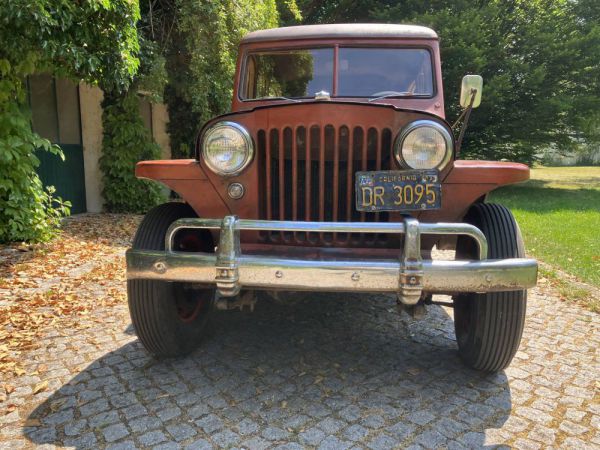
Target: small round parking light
(235, 190)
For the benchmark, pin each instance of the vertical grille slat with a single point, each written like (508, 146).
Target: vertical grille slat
(309, 175)
(281, 164)
(308, 169)
(294, 174)
(322, 174)
(336, 174)
(349, 175)
(269, 183)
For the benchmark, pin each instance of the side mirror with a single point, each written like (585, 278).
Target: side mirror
(471, 83)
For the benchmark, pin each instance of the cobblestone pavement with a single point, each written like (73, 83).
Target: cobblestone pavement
(324, 371)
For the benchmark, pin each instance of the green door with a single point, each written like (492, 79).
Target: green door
(66, 176)
(55, 116)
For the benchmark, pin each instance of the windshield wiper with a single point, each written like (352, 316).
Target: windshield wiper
(397, 95)
(278, 98)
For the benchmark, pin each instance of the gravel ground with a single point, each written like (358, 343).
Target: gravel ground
(324, 371)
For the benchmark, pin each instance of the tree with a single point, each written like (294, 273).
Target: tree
(200, 39)
(89, 40)
(538, 60)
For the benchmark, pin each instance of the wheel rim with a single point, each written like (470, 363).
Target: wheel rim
(192, 303)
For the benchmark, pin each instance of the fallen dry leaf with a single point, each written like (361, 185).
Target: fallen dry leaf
(32, 423)
(9, 388)
(40, 387)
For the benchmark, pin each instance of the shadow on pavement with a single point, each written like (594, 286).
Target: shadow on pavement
(330, 371)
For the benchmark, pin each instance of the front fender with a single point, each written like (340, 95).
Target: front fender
(468, 181)
(186, 177)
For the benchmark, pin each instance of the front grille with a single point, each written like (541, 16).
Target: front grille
(308, 175)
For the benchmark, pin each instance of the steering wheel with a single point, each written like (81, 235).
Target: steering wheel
(386, 93)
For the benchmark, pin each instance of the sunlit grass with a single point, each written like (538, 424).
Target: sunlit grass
(558, 211)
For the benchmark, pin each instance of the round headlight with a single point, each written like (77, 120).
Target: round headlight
(227, 148)
(424, 144)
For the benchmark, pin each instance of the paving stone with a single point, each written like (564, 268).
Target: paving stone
(143, 424)
(289, 446)
(114, 432)
(526, 444)
(274, 434)
(430, 439)
(210, 423)
(420, 417)
(181, 431)
(256, 443)
(167, 446)
(200, 444)
(152, 437)
(168, 413)
(312, 436)
(331, 425)
(134, 411)
(373, 421)
(355, 433)
(75, 427)
(87, 440)
(400, 431)
(12, 444)
(542, 434)
(333, 443)
(225, 438)
(382, 442)
(94, 407)
(103, 419)
(572, 428)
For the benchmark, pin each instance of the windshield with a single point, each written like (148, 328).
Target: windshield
(293, 73)
(362, 72)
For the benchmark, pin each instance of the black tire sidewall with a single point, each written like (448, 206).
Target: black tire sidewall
(489, 326)
(152, 303)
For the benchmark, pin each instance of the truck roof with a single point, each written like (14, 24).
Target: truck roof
(346, 30)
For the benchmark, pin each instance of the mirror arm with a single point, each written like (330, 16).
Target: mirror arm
(467, 114)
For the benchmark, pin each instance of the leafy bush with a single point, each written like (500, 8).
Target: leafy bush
(95, 41)
(27, 211)
(125, 142)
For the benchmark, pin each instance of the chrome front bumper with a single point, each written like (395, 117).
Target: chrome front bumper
(408, 276)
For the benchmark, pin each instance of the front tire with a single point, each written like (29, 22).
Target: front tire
(489, 326)
(169, 318)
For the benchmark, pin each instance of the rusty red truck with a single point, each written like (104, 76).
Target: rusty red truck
(336, 170)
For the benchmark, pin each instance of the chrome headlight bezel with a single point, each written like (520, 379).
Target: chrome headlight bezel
(449, 140)
(247, 141)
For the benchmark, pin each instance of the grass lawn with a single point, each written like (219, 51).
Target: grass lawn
(558, 211)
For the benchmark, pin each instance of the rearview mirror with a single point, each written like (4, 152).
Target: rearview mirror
(471, 83)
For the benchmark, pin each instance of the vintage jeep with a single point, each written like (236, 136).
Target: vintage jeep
(335, 171)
